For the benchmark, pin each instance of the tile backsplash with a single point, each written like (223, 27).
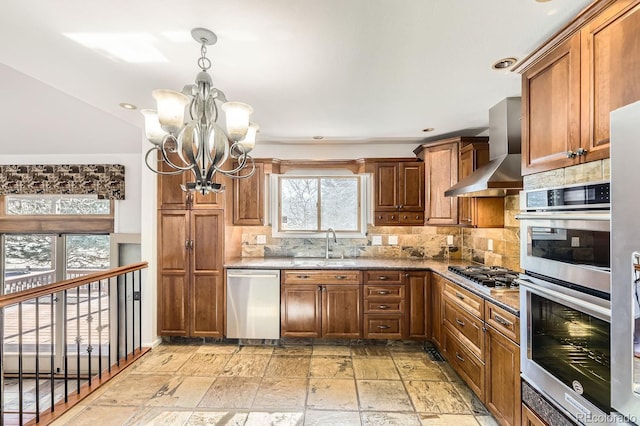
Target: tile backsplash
(419, 242)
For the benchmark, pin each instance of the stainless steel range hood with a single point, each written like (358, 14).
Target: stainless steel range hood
(503, 172)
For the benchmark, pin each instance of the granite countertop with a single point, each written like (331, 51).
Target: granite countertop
(508, 299)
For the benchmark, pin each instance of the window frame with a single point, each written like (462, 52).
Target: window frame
(363, 184)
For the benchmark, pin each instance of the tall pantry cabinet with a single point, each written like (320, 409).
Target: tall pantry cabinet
(190, 261)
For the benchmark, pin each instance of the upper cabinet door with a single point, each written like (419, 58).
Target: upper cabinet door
(610, 72)
(411, 186)
(551, 108)
(386, 186)
(248, 198)
(441, 169)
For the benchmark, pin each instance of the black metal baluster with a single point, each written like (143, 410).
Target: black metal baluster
(37, 359)
(78, 339)
(100, 329)
(126, 322)
(118, 321)
(20, 384)
(133, 313)
(89, 330)
(140, 308)
(52, 382)
(66, 347)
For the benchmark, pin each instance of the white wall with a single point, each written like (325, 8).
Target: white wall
(333, 151)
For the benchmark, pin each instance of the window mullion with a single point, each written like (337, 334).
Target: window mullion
(319, 206)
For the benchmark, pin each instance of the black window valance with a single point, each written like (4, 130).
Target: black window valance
(104, 180)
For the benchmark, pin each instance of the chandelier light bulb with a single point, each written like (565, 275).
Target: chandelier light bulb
(171, 106)
(153, 130)
(249, 140)
(237, 114)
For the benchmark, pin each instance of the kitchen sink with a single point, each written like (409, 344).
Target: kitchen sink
(311, 262)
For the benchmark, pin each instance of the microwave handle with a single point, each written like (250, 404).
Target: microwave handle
(556, 215)
(577, 303)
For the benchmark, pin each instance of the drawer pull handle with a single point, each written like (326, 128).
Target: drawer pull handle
(383, 277)
(459, 357)
(460, 323)
(341, 277)
(303, 277)
(383, 306)
(383, 292)
(383, 327)
(502, 321)
(459, 296)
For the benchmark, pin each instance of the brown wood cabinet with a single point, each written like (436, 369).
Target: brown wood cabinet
(419, 292)
(502, 387)
(572, 83)
(446, 162)
(399, 193)
(436, 311)
(321, 304)
(529, 418)
(171, 195)
(190, 273)
(385, 305)
(248, 198)
(481, 212)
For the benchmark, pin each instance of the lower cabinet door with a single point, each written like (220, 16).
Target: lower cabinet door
(529, 418)
(300, 314)
(342, 311)
(502, 390)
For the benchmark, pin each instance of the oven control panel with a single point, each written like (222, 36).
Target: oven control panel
(572, 197)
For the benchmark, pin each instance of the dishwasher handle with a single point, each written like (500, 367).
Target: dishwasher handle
(240, 275)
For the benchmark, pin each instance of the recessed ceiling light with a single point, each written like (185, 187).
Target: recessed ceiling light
(318, 138)
(127, 105)
(504, 63)
(542, 1)
(428, 129)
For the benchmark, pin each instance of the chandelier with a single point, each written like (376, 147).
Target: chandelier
(199, 145)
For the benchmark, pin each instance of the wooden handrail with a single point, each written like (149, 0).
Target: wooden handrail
(45, 290)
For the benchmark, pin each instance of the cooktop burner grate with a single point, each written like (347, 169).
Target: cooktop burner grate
(489, 276)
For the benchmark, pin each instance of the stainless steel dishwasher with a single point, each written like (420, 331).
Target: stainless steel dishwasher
(253, 304)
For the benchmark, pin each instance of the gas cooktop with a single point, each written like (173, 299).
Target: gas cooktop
(488, 276)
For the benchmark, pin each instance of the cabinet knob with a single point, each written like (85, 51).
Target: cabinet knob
(303, 277)
(571, 154)
(400, 206)
(383, 306)
(383, 277)
(383, 292)
(383, 327)
(581, 151)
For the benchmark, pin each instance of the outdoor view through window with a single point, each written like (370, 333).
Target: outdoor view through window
(317, 203)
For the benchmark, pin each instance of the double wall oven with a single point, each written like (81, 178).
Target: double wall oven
(565, 298)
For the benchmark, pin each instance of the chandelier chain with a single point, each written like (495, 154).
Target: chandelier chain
(203, 62)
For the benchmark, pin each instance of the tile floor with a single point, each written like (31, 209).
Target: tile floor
(319, 384)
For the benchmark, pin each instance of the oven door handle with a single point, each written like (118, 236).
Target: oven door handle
(577, 303)
(556, 215)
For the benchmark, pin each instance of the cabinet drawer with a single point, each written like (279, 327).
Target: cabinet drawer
(470, 368)
(384, 277)
(383, 326)
(468, 328)
(413, 218)
(472, 303)
(379, 307)
(503, 321)
(321, 277)
(380, 292)
(387, 218)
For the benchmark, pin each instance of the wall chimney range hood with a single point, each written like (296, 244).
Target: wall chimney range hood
(503, 173)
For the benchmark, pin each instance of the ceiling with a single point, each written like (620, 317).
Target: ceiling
(351, 71)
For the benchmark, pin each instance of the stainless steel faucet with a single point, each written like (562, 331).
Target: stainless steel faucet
(335, 240)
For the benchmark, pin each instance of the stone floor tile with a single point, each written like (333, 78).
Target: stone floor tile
(332, 394)
(135, 391)
(288, 366)
(205, 364)
(257, 418)
(231, 393)
(383, 395)
(369, 351)
(470, 398)
(487, 420)
(207, 418)
(419, 369)
(293, 350)
(181, 391)
(375, 368)
(97, 415)
(280, 394)
(156, 416)
(331, 350)
(220, 349)
(448, 420)
(338, 367)
(436, 397)
(162, 361)
(256, 350)
(333, 418)
(390, 419)
(246, 365)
